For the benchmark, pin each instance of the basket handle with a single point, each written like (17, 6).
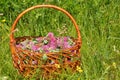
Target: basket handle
(12, 39)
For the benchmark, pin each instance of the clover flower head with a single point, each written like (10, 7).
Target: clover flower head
(50, 35)
(65, 39)
(45, 48)
(35, 48)
(39, 39)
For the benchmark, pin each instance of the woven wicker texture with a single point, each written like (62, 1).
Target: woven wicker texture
(23, 59)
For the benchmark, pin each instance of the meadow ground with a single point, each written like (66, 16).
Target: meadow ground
(99, 23)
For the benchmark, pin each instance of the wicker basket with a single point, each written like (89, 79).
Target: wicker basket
(19, 55)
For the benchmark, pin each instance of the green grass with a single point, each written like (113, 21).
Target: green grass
(99, 23)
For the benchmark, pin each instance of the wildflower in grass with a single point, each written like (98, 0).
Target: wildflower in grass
(1, 14)
(79, 69)
(5, 78)
(3, 20)
(114, 49)
(63, 30)
(78, 78)
(114, 65)
(16, 30)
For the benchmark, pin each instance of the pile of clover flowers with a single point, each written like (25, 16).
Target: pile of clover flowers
(46, 44)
